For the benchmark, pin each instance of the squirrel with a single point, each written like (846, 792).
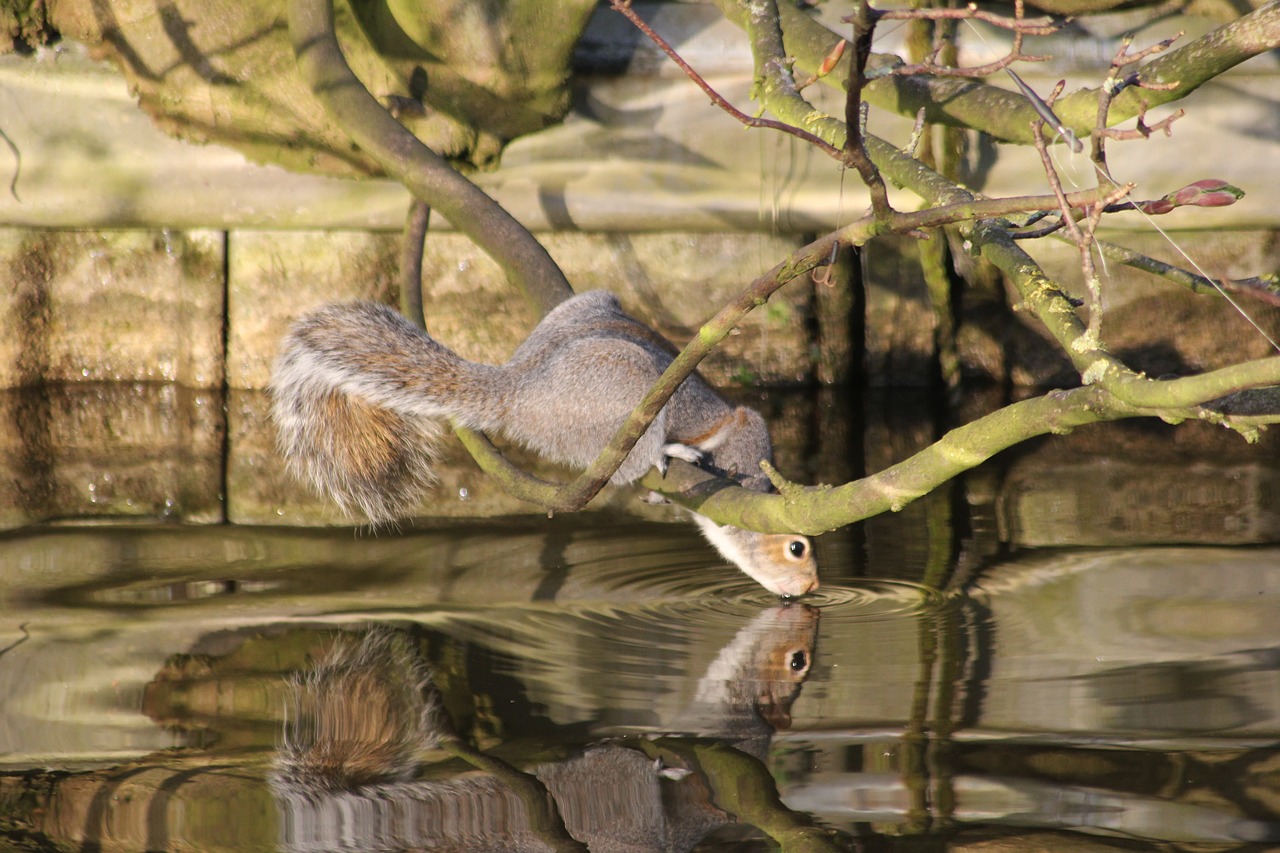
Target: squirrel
(358, 393)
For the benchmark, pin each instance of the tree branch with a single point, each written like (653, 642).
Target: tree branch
(820, 509)
(1006, 115)
(427, 175)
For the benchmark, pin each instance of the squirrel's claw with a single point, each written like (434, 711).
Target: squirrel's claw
(692, 455)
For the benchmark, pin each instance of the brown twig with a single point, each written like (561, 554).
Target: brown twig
(1113, 85)
(1082, 238)
(1018, 25)
(1143, 130)
(855, 151)
(976, 72)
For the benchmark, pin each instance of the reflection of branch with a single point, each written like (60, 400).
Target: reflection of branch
(428, 177)
(742, 785)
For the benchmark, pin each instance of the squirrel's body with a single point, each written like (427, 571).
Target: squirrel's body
(358, 392)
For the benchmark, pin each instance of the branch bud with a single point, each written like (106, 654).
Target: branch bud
(1210, 192)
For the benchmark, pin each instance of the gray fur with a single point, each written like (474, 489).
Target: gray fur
(563, 394)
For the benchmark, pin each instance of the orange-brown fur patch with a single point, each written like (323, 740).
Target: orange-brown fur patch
(365, 436)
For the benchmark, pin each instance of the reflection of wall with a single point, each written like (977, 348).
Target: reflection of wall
(1177, 640)
(110, 449)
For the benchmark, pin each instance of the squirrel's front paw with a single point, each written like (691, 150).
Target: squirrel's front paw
(692, 455)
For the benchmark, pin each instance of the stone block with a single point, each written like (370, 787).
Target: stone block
(273, 277)
(111, 306)
(673, 281)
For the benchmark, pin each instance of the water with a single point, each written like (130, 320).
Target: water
(521, 685)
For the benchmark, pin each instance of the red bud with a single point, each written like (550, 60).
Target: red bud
(1216, 199)
(1208, 192)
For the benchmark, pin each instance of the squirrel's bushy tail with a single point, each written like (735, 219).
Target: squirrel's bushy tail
(356, 394)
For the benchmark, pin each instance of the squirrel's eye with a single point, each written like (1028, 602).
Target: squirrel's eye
(797, 548)
(799, 661)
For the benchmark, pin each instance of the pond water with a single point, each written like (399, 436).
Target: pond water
(545, 684)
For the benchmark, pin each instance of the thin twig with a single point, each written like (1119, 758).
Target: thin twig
(976, 71)
(1017, 24)
(855, 151)
(1113, 85)
(1143, 130)
(1082, 239)
(1042, 231)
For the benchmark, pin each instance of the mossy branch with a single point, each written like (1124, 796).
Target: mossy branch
(1004, 114)
(743, 786)
(820, 509)
(426, 175)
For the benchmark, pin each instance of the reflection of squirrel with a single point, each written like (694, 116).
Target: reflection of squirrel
(358, 717)
(356, 389)
(368, 757)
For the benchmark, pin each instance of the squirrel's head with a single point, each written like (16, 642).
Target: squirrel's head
(782, 563)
